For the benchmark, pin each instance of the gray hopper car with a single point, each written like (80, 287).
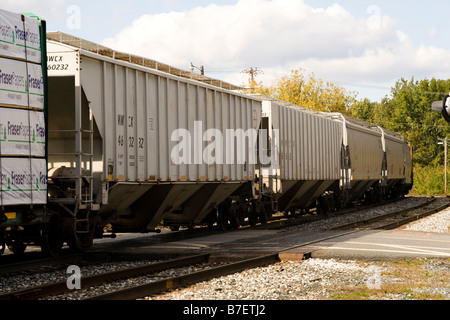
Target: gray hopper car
(129, 145)
(309, 153)
(330, 160)
(375, 164)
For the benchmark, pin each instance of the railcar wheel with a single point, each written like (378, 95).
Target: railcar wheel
(253, 214)
(268, 209)
(52, 239)
(263, 217)
(17, 247)
(50, 245)
(242, 213)
(234, 217)
(80, 241)
(222, 219)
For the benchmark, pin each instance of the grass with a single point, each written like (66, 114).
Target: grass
(429, 180)
(406, 279)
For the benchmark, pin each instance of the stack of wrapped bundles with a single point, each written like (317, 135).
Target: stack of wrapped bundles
(22, 122)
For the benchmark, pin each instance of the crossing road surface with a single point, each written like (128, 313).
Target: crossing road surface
(394, 244)
(294, 245)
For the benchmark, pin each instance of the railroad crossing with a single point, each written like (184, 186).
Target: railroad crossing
(294, 245)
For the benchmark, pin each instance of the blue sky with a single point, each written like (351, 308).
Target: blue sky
(364, 46)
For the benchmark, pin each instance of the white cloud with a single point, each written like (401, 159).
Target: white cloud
(280, 35)
(250, 32)
(45, 9)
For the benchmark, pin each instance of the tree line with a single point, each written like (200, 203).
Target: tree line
(407, 111)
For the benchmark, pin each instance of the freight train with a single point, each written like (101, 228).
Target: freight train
(131, 144)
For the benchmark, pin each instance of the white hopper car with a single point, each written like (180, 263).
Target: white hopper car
(117, 140)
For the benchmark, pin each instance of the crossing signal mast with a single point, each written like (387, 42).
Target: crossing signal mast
(443, 107)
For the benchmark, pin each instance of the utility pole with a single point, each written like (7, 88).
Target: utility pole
(253, 72)
(445, 164)
(445, 143)
(202, 69)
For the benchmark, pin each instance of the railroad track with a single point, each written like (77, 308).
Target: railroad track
(396, 219)
(388, 221)
(152, 287)
(33, 261)
(48, 264)
(205, 270)
(95, 280)
(171, 283)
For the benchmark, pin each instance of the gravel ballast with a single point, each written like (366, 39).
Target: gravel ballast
(439, 222)
(323, 279)
(320, 279)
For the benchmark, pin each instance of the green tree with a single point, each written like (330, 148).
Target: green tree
(363, 110)
(409, 113)
(309, 92)
(406, 111)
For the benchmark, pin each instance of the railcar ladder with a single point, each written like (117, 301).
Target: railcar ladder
(85, 179)
(80, 200)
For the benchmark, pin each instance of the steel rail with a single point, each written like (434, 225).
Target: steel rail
(351, 228)
(412, 218)
(28, 261)
(184, 280)
(61, 287)
(367, 221)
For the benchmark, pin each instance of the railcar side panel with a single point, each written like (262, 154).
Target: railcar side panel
(310, 145)
(157, 129)
(395, 158)
(366, 153)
